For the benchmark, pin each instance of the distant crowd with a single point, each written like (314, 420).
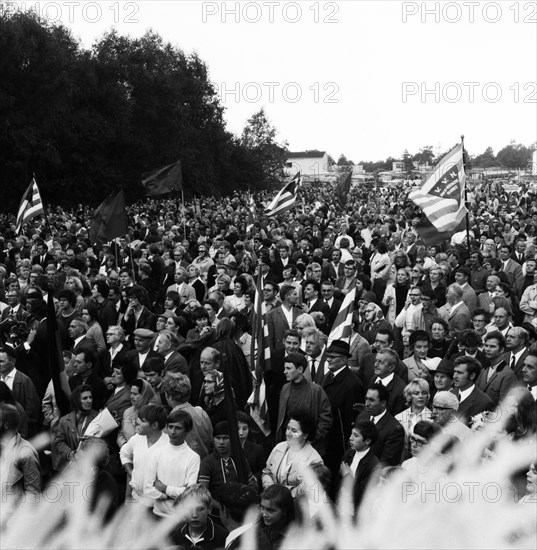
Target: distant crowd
(440, 336)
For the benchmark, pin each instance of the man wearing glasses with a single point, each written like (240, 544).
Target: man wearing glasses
(444, 407)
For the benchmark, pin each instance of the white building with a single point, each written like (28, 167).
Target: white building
(313, 164)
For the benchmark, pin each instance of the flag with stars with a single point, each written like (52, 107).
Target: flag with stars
(441, 198)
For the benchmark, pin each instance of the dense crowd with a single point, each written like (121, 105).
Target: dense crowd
(148, 323)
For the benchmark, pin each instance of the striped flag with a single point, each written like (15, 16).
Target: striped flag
(342, 327)
(31, 205)
(260, 357)
(441, 197)
(286, 198)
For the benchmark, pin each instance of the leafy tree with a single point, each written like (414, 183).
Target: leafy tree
(259, 137)
(515, 155)
(425, 156)
(343, 161)
(485, 159)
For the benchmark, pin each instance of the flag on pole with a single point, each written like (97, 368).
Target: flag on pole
(260, 357)
(286, 198)
(55, 357)
(163, 180)
(342, 327)
(31, 205)
(343, 187)
(109, 220)
(441, 198)
(251, 214)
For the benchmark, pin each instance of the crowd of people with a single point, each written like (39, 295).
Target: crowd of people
(149, 323)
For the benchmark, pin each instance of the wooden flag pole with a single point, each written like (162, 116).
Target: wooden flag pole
(466, 203)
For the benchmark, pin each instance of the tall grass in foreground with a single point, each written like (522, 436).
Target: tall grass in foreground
(463, 499)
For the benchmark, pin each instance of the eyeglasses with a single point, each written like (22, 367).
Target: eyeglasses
(418, 442)
(415, 295)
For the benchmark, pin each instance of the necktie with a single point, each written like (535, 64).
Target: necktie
(459, 397)
(378, 381)
(512, 365)
(313, 369)
(329, 378)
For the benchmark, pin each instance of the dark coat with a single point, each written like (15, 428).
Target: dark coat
(133, 357)
(389, 446)
(277, 325)
(66, 437)
(368, 471)
(25, 393)
(106, 364)
(475, 403)
(98, 388)
(343, 391)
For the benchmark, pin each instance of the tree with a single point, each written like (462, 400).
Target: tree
(425, 156)
(515, 155)
(343, 161)
(259, 138)
(485, 159)
(408, 163)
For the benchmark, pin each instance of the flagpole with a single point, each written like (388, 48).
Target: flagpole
(183, 209)
(466, 202)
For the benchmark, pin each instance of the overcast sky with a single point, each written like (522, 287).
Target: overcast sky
(363, 78)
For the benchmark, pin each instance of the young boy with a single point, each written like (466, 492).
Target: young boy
(359, 461)
(136, 452)
(173, 467)
(199, 532)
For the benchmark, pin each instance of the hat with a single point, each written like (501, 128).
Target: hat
(232, 264)
(221, 428)
(144, 333)
(445, 367)
(339, 346)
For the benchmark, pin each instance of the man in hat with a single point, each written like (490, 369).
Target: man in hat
(444, 409)
(300, 393)
(142, 339)
(344, 391)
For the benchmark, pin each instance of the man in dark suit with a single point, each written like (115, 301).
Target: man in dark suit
(281, 318)
(42, 258)
(498, 378)
(391, 435)
(344, 391)
(472, 400)
(470, 342)
(529, 374)
(384, 339)
(22, 387)
(327, 293)
(385, 363)
(313, 301)
(166, 345)
(333, 270)
(512, 269)
(83, 364)
(516, 345)
(281, 263)
(15, 311)
(142, 348)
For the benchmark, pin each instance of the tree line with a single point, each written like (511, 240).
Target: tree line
(87, 122)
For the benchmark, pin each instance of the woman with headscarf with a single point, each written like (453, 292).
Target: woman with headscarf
(141, 394)
(213, 402)
(373, 321)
